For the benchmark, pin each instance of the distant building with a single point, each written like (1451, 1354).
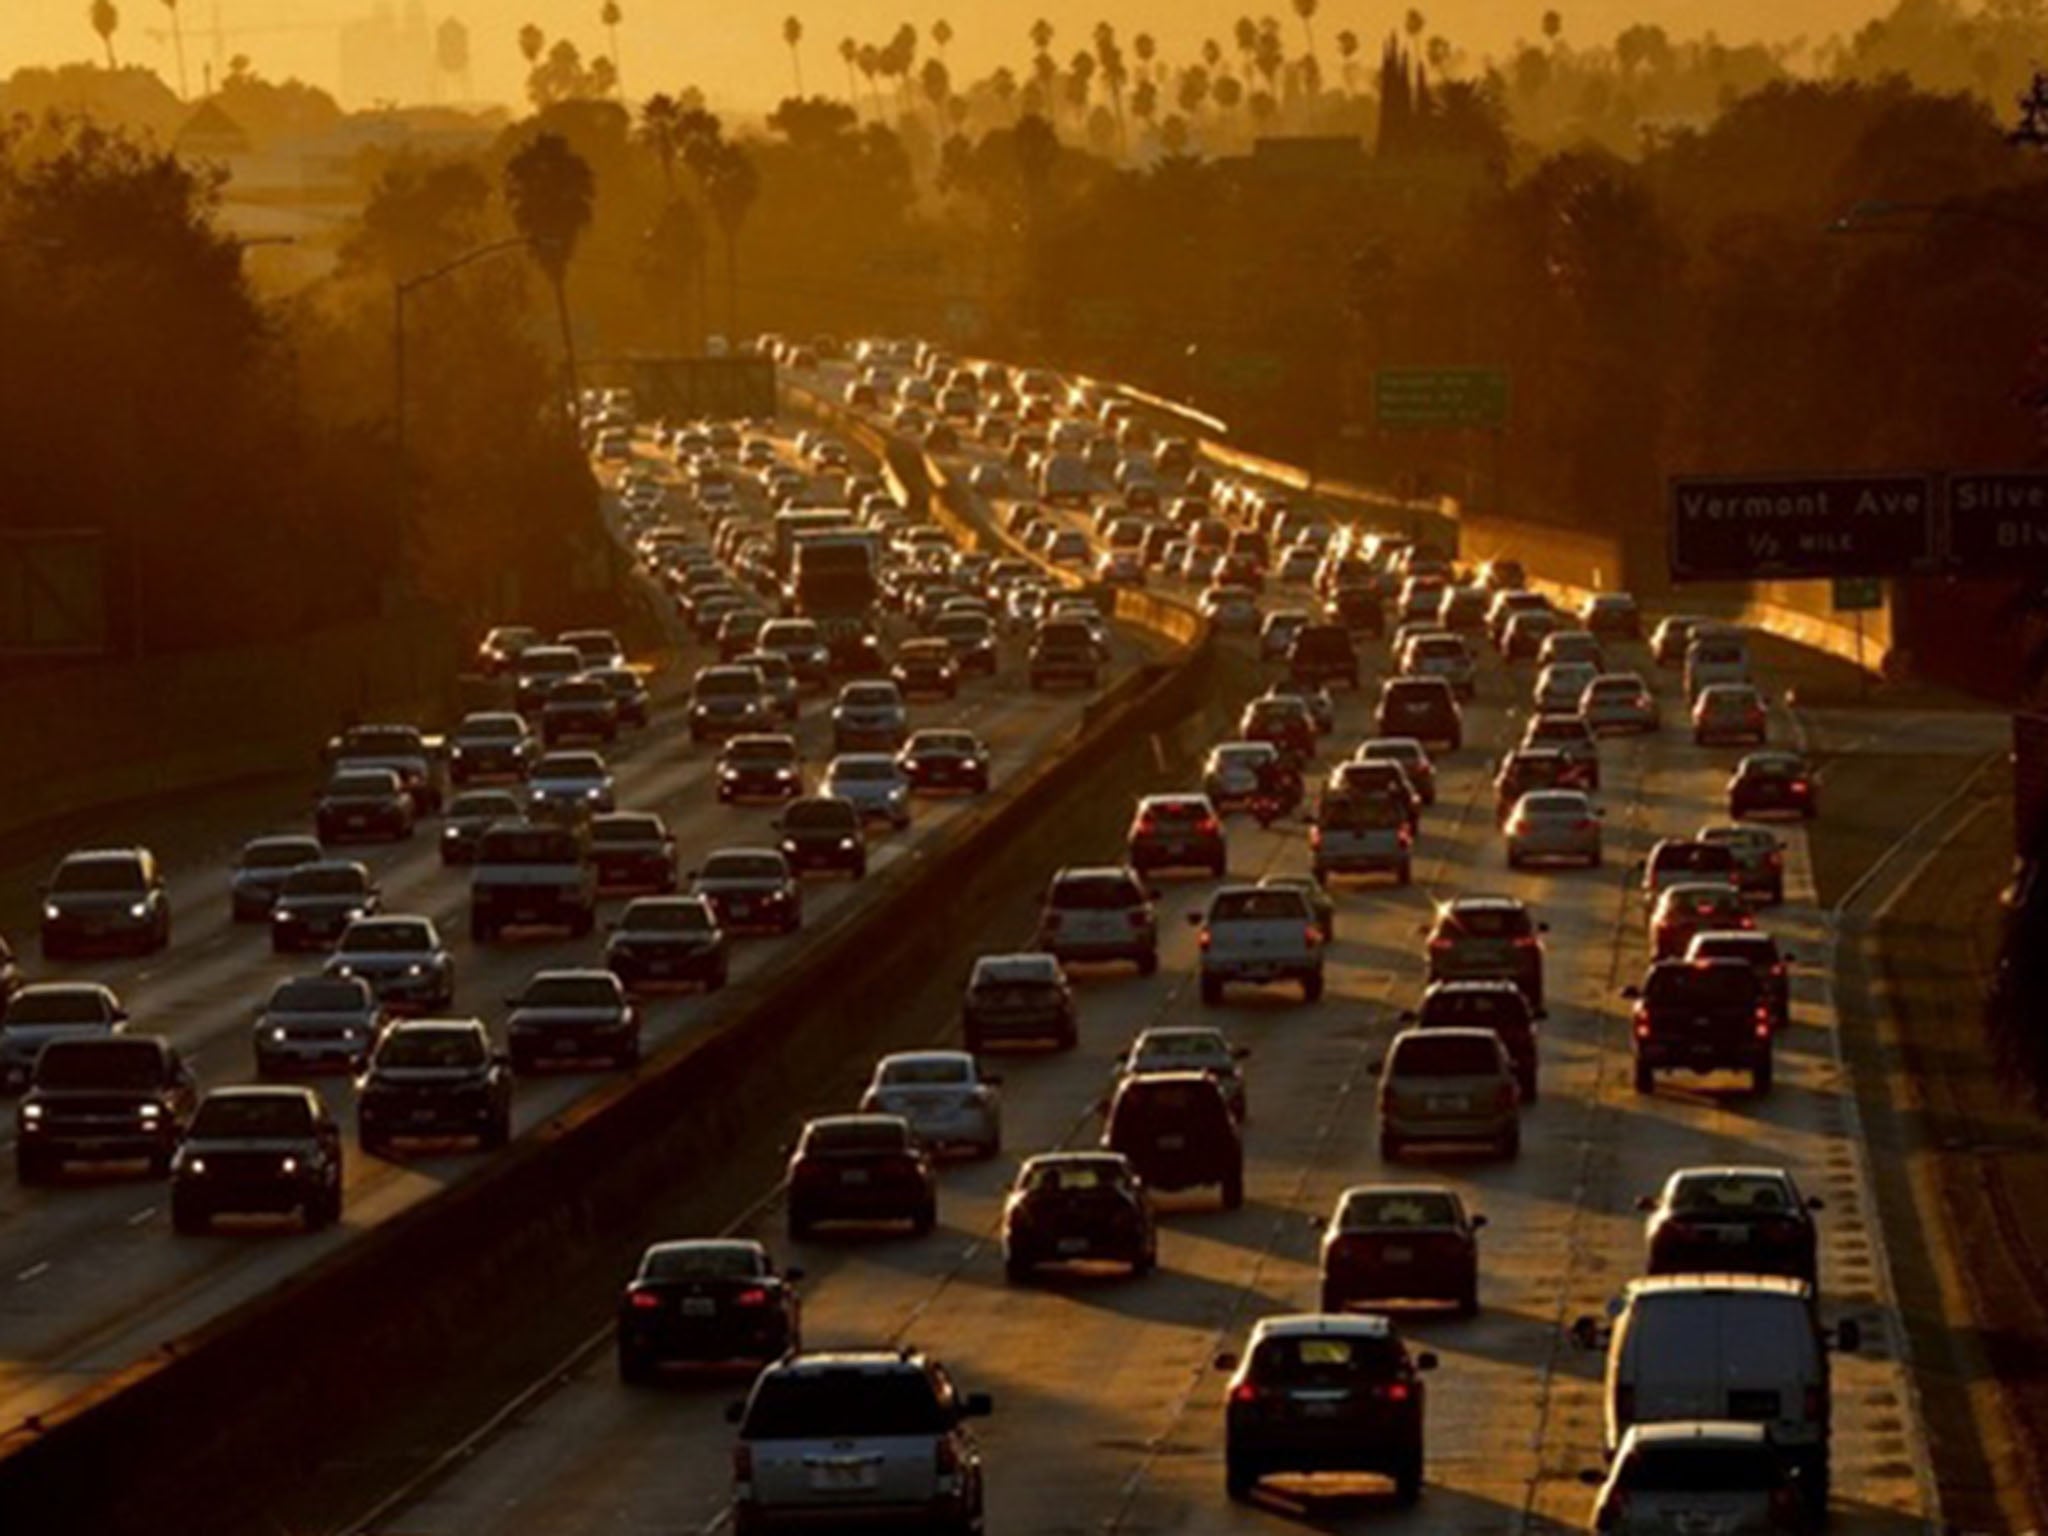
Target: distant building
(388, 59)
(210, 134)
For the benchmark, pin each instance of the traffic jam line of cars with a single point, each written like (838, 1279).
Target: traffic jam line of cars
(1716, 1401)
(527, 809)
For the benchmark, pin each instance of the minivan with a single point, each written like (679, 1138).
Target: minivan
(1715, 656)
(1360, 834)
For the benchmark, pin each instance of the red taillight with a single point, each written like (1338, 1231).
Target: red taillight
(643, 1301)
(1314, 934)
(1396, 1391)
(945, 1456)
(1315, 837)
(1208, 826)
(755, 1297)
(1203, 938)
(1441, 943)
(1244, 1392)
(742, 1463)
(1799, 786)
(1504, 1096)
(1763, 1024)
(1407, 837)
(1147, 824)
(1775, 860)
(1587, 825)
(1642, 1024)
(1137, 919)
(1526, 941)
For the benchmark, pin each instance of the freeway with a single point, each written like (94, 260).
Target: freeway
(1107, 1409)
(91, 1278)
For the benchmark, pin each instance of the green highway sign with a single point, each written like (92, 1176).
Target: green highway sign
(1440, 397)
(1858, 594)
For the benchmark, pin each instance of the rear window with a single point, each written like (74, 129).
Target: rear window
(571, 992)
(1719, 653)
(433, 1048)
(1324, 1361)
(1711, 986)
(1096, 893)
(1702, 858)
(1258, 906)
(1445, 1056)
(704, 1261)
(1744, 1193)
(819, 816)
(666, 917)
(1490, 922)
(1703, 1468)
(744, 866)
(1417, 690)
(925, 1072)
(1478, 1010)
(858, 1136)
(528, 845)
(836, 1404)
(1399, 1208)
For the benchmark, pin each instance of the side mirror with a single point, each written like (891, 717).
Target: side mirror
(1848, 1336)
(1478, 1221)
(1377, 1067)
(977, 1405)
(734, 1412)
(1815, 1203)
(1194, 919)
(1409, 1016)
(1591, 1477)
(1646, 1202)
(1585, 1333)
(1632, 992)
(1240, 1053)
(1426, 1361)
(1543, 927)
(1226, 1361)
(120, 1015)
(794, 1273)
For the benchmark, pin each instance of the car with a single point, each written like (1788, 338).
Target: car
(1731, 1220)
(470, 814)
(1359, 829)
(729, 699)
(1189, 1048)
(1259, 934)
(46, 1011)
(1762, 952)
(1697, 1475)
(1572, 648)
(972, 638)
(1672, 635)
(1691, 907)
(1495, 1005)
(759, 766)
(873, 783)
(104, 1098)
(1425, 708)
(1522, 637)
(750, 890)
(1619, 701)
(1077, 1207)
(572, 1016)
(502, 646)
(1297, 564)
(1675, 860)
(1716, 655)
(823, 832)
(947, 1099)
(570, 786)
(260, 871)
(713, 1302)
(1400, 1243)
(1501, 576)
(894, 1413)
(434, 1078)
(1177, 832)
(580, 708)
(1701, 1017)
(1729, 712)
(869, 716)
(1612, 614)
(1772, 783)
(864, 1168)
(1410, 755)
(1317, 1393)
(401, 748)
(1276, 634)
(537, 669)
(1553, 825)
(532, 874)
(270, 1151)
(1506, 604)
(106, 899)
(1451, 1084)
(1462, 609)
(1177, 1130)
(363, 804)
(319, 901)
(1439, 653)
(1063, 651)
(1234, 770)
(667, 941)
(1419, 598)
(1231, 609)
(1285, 722)
(1018, 999)
(1356, 606)
(490, 747)
(1570, 735)
(1560, 686)
(926, 666)
(1320, 654)
(1314, 699)
(597, 647)
(628, 690)
(402, 958)
(939, 760)
(1758, 859)
(737, 633)
(315, 1023)
(632, 851)
(1099, 914)
(1524, 769)
(779, 678)
(1487, 938)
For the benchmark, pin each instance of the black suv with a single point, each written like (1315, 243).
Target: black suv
(865, 1168)
(1069, 1206)
(1701, 1016)
(710, 1301)
(1422, 707)
(106, 898)
(1500, 1006)
(267, 1151)
(1178, 1132)
(1324, 1394)
(823, 832)
(434, 1078)
(1323, 653)
(114, 1099)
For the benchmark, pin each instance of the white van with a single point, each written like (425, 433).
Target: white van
(1748, 1348)
(1715, 655)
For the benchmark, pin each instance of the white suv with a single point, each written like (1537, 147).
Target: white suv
(1260, 933)
(867, 1437)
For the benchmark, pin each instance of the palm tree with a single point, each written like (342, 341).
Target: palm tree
(531, 41)
(1146, 49)
(849, 55)
(1306, 10)
(1553, 24)
(106, 19)
(1212, 54)
(661, 118)
(178, 44)
(792, 35)
(1347, 50)
(1414, 23)
(1041, 35)
(730, 186)
(870, 60)
(937, 83)
(551, 193)
(942, 35)
(611, 16)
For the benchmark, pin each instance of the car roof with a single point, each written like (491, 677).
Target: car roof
(1729, 1171)
(1694, 1431)
(247, 1091)
(1312, 1325)
(813, 1362)
(1023, 966)
(1719, 1284)
(936, 1058)
(1373, 1191)
(437, 1026)
(281, 840)
(1484, 904)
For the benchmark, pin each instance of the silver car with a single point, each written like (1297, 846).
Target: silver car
(948, 1100)
(1187, 1048)
(857, 1437)
(1553, 824)
(314, 1022)
(570, 785)
(1454, 1085)
(1619, 701)
(1560, 686)
(403, 960)
(870, 715)
(1231, 774)
(873, 783)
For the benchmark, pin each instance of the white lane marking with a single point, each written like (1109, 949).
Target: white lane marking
(22, 1277)
(142, 1217)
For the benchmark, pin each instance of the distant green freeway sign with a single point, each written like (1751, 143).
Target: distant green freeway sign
(1858, 594)
(1440, 397)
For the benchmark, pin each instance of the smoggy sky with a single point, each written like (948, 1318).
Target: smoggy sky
(735, 51)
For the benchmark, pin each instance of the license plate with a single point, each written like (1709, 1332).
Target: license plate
(854, 1176)
(1320, 1410)
(699, 1306)
(563, 1048)
(1446, 1105)
(1172, 1143)
(1397, 1255)
(423, 1117)
(842, 1476)
(1073, 1245)
(356, 821)
(742, 909)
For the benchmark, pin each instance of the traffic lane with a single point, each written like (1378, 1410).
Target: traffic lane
(109, 1252)
(595, 1431)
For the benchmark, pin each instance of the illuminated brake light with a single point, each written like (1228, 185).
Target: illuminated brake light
(755, 1297)
(1204, 938)
(1315, 935)
(643, 1301)
(1244, 1392)
(1396, 1391)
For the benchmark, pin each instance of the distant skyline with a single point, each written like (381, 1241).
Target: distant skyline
(668, 45)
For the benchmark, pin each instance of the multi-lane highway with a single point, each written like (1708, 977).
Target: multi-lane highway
(1108, 1412)
(91, 1277)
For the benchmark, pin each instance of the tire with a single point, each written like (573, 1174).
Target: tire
(925, 1220)
(1144, 1263)
(1468, 1299)
(1405, 875)
(1514, 859)
(1217, 869)
(1148, 963)
(324, 1209)
(633, 1370)
(1312, 987)
(188, 1220)
(583, 924)
(799, 1224)
(497, 1133)
(1646, 1079)
(1239, 1480)
(1233, 1191)
(1528, 1083)
(160, 1164)
(1212, 991)
(1511, 1143)
(1390, 1148)
(1017, 1271)
(1760, 1076)
(1408, 1480)
(523, 1063)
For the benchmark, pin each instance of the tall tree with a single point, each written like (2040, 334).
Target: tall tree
(792, 37)
(942, 35)
(1553, 25)
(1347, 51)
(731, 186)
(849, 55)
(178, 46)
(451, 50)
(531, 41)
(106, 20)
(660, 129)
(1306, 10)
(611, 16)
(937, 83)
(551, 193)
(1145, 48)
(1414, 23)
(1041, 35)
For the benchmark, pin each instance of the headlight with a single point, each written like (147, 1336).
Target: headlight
(278, 1032)
(289, 1165)
(846, 843)
(31, 1111)
(784, 773)
(416, 970)
(196, 1165)
(51, 912)
(455, 751)
(729, 773)
(356, 912)
(282, 915)
(595, 792)
(150, 1111)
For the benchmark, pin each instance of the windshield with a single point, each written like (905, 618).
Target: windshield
(1556, 805)
(1073, 1177)
(362, 786)
(477, 806)
(327, 882)
(666, 917)
(957, 743)
(1400, 1208)
(377, 937)
(704, 1261)
(626, 829)
(1258, 906)
(97, 876)
(570, 765)
(925, 1072)
(825, 1404)
(253, 1116)
(870, 696)
(56, 1005)
(819, 816)
(493, 728)
(758, 750)
(111, 1064)
(571, 992)
(1729, 1192)
(1704, 986)
(880, 771)
(277, 855)
(1324, 1360)
(318, 994)
(1434, 1055)
(433, 1048)
(1703, 1468)
(729, 685)
(876, 1135)
(1490, 922)
(1707, 858)
(1157, 1052)
(743, 866)
(382, 741)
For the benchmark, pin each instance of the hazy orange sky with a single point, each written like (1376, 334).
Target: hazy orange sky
(668, 44)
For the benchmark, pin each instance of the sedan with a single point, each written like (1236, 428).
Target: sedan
(1731, 1220)
(1692, 907)
(1401, 1243)
(1772, 783)
(708, 1302)
(1412, 756)
(1188, 1048)
(572, 1016)
(869, 715)
(318, 903)
(873, 783)
(934, 760)
(570, 786)
(946, 1098)
(316, 1022)
(667, 941)
(1553, 824)
(1619, 701)
(260, 871)
(472, 813)
(1730, 712)
(759, 767)
(1073, 1207)
(1234, 771)
(403, 960)
(750, 889)
(365, 804)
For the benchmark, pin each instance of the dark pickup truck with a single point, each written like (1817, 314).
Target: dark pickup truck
(528, 875)
(115, 1099)
(1701, 1016)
